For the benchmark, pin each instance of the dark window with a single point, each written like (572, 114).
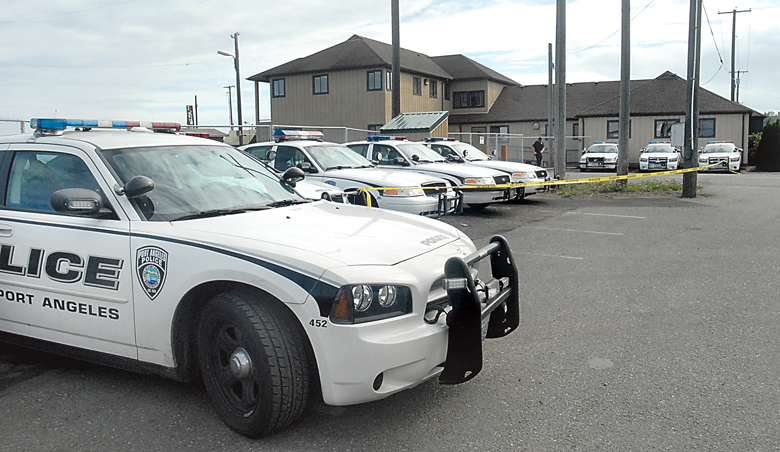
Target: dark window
(360, 148)
(259, 151)
(707, 128)
(575, 130)
(417, 86)
(613, 129)
(35, 176)
(374, 80)
(502, 132)
(433, 89)
(374, 127)
(320, 83)
(479, 129)
(278, 87)
(446, 91)
(288, 156)
(663, 127)
(468, 99)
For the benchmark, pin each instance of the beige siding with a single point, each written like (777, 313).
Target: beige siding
(474, 85)
(412, 103)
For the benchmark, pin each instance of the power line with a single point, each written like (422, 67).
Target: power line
(66, 13)
(616, 31)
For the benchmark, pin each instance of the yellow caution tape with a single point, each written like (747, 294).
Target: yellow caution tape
(546, 183)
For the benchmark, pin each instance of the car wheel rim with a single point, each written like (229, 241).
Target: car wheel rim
(233, 371)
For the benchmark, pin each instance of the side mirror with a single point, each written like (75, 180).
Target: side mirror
(416, 158)
(137, 186)
(402, 161)
(293, 175)
(270, 155)
(466, 152)
(76, 201)
(306, 167)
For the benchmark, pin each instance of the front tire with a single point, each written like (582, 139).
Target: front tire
(254, 363)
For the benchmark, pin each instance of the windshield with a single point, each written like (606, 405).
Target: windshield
(471, 153)
(192, 181)
(660, 148)
(602, 149)
(332, 156)
(713, 148)
(425, 154)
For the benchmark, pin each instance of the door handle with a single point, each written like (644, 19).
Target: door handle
(6, 230)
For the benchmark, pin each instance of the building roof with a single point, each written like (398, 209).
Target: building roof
(664, 94)
(355, 53)
(461, 67)
(415, 122)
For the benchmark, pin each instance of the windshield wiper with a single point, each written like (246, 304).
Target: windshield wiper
(338, 167)
(217, 213)
(287, 202)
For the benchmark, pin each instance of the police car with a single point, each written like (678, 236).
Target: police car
(458, 151)
(333, 164)
(478, 183)
(599, 156)
(724, 155)
(659, 156)
(184, 257)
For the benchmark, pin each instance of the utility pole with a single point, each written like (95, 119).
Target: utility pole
(733, 47)
(550, 111)
(196, 109)
(625, 90)
(396, 69)
(692, 100)
(739, 72)
(230, 104)
(560, 82)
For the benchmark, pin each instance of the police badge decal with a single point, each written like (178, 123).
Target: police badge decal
(151, 263)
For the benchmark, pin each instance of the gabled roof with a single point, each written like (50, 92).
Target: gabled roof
(415, 122)
(462, 67)
(664, 94)
(355, 53)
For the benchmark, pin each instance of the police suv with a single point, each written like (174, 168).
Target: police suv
(477, 183)
(184, 257)
(333, 164)
(460, 152)
(659, 155)
(720, 156)
(599, 156)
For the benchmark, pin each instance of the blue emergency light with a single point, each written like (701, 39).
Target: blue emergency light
(383, 138)
(439, 139)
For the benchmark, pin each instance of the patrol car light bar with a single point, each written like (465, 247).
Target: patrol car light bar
(439, 139)
(286, 135)
(383, 138)
(62, 124)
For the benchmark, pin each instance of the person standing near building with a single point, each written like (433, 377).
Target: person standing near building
(538, 149)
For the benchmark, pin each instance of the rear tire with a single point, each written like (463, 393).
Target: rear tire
(254, 363)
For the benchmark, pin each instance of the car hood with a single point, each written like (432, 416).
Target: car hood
(509, 167)
(379, 177)
(324, 234)
(658, 154)
(459, 170)
(599, 154)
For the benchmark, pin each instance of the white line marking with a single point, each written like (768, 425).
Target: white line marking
(575, 230)
(553, 255)
(605, 215)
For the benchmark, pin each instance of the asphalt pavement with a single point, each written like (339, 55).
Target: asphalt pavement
(648, 323)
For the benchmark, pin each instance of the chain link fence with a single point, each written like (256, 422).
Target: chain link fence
(519, 147)
(14, 127)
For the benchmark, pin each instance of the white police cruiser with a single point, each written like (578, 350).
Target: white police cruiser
(658, 155)
(478, 182)
(333, 164)
(599, 156)
(182, 257)
(724, 155)
(458, 151)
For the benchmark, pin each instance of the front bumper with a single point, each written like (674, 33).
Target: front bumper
(376, 359)
(598, 165)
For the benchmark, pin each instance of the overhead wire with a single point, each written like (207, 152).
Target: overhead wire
(613, 34)
(720, 57)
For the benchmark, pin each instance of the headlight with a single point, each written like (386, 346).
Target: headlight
(610, 159)
(643, 159)
(405, 192)
(358, 303)
(734, 159)
(672, 159)
(583, 160)
(517, 175)
(702, 160)
(479, 181)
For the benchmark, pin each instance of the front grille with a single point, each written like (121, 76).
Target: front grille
(596, 160)
(435, 192)
(501, 179)
(541, 174)
(656, 160)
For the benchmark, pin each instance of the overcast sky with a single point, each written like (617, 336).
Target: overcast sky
(148, 59)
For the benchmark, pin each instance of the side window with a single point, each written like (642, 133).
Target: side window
(288, 156)
(359, 149)
(383, 154)
(35, 176)
(259, 151)
(443, 150)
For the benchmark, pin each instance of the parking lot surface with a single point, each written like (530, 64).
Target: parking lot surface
(648, 323)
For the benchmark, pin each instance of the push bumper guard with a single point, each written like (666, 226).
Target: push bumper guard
(474, 302)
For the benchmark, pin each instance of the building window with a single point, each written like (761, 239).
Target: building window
(707, 128)
(446, 91)
(374, 80)
(389, 83)
(575, 130)
(374, 127)
(502, 132)
(320, 84)
(663, 127)
(479, 129)
(278, 87)
(417, 86)
(468, 99)
(613, 129)
(433, 89)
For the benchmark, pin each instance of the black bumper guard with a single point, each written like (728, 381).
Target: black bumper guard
(474, 302)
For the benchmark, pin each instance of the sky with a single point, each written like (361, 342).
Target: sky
(149, 59)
